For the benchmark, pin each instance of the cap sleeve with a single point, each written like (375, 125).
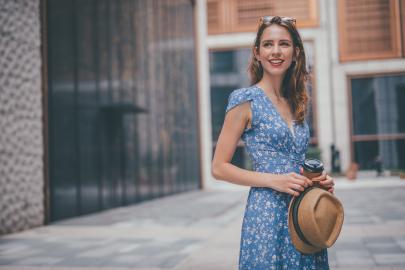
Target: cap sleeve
(237, 97)
(240, 96)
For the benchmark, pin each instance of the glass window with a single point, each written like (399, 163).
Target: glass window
(222, 61)
(377, 105)
(309, 52)
(227, 73)
(391, 154)
(123, 123)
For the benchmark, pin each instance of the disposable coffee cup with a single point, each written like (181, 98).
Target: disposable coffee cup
(312, 168)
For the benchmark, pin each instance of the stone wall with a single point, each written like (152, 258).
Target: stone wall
(21, 125)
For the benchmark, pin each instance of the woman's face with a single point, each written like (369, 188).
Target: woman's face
(276, 50)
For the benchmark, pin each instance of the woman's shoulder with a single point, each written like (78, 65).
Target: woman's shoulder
(247, 92)
(242, 94)
(239, 96)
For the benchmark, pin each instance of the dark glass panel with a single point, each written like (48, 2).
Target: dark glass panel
(122, 103)
(378, 109)
(390, 152)
(364, 110)
(310, 61)
(400, 100)
(62, 107)
(222, 61)
(377, 105)
(219, 100)
(366, 153)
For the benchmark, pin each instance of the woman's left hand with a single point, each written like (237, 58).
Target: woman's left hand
(326, 182)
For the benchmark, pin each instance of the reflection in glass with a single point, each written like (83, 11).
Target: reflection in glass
(378, 105)
(391, 153)
(378, 110)
(122, 99)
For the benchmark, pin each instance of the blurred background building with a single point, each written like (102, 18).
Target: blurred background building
(109, 103)
(98, 106)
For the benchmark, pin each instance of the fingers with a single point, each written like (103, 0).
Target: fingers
(297, 183)
(297, 187)
(322, 177)
(293, 192)
(329, 182)
(303, 178)
(303, 183)
(306, 182)
(309, 182)
(299, 176)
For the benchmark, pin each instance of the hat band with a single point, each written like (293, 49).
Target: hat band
(295, 206)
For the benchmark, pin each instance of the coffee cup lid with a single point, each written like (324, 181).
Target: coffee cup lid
(313, 165)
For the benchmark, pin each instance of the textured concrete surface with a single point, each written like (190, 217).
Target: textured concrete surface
(21, 139)
(200, 230)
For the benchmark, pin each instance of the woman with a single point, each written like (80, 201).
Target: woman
(269, 117)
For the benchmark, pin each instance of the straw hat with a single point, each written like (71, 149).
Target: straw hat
(315, 219)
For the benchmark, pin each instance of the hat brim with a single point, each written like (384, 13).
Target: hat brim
(300, 245)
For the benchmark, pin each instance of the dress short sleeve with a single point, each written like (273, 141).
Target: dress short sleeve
(237, 97)
(240, 96)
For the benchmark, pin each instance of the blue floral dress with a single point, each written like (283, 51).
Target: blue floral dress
(273, 148)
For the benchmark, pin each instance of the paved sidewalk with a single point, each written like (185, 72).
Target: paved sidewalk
(200, 231)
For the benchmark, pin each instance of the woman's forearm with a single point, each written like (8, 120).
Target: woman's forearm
(233, 174)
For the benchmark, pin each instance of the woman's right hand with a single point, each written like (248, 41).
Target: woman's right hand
(291, 183)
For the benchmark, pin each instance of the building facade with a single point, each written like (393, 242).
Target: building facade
(98, 106)
(357, 70)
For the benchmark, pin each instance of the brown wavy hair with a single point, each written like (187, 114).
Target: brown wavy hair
(293, 86)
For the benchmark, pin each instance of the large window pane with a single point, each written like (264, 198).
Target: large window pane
(222, 62)
(378, 105)
(391, 153)
(227, 72)
(122, 99)
(379, 121)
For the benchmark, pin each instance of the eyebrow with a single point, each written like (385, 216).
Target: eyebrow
(279, 40)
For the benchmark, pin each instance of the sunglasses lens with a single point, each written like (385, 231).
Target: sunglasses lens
(267, 19)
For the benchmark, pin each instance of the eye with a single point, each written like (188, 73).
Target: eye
(287, 44)
(267, 44)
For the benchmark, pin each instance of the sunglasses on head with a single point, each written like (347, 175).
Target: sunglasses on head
(267, 19)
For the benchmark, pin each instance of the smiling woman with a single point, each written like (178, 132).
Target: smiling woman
(269, 116)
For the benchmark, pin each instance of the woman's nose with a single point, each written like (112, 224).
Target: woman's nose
(275, 50)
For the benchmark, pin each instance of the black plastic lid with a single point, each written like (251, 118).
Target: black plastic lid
(313, 165)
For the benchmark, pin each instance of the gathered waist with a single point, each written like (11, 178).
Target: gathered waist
(272, 159)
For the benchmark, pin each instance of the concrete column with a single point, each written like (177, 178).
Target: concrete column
(21, 126)
(324, 84)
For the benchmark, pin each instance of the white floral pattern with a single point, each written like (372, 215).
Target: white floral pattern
(274, 148)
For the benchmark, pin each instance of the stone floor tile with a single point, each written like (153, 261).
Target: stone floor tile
(390, 259)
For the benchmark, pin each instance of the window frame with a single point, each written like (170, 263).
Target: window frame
(376, 137)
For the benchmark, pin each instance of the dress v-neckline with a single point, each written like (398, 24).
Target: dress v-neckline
(291, 130)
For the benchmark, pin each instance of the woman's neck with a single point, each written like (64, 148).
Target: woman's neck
(271, 85)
